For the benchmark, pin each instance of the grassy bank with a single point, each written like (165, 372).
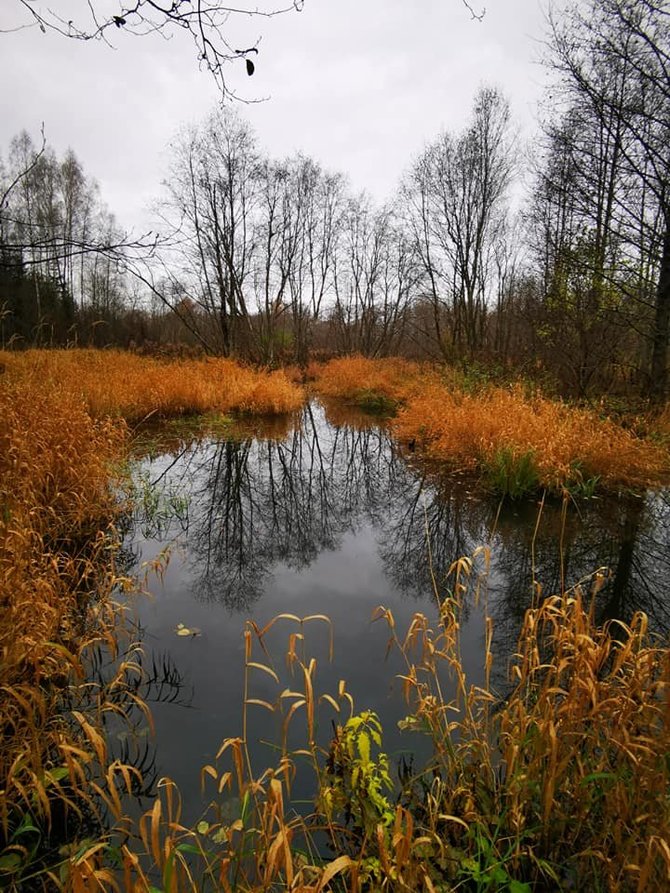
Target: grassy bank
(116, 383)
(517, 440)
(57, 571)
(63, 440)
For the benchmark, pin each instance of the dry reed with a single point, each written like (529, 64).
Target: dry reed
(57, 509)
(118, 383)
(62, 443)
(471, 427)
(561, 785)
(567, 444)
(358, 378)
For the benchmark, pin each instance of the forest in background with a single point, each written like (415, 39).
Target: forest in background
(276, 261)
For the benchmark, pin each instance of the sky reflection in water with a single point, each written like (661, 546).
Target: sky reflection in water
(331, 517)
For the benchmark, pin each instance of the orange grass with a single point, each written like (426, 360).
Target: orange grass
(568, 444)
(468, 430)
(118, 383)
(55, 501)
(562, 785)
(57, 542)
(62, 439)
(355, 378)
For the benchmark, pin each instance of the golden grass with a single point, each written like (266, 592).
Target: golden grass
(563, 783)
(55, 501)
(568, 444)
(560, 785)
(63, 438)
(357, 378)
(57, 509)
(471, 427)
(118, 383)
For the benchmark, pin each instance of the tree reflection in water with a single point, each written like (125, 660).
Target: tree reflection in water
(325, 514)
(284, 497)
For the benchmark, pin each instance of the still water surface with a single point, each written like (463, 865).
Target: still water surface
(325, 514)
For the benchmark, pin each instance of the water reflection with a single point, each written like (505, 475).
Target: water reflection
(628, 536)
(331, 517)
(257, 501)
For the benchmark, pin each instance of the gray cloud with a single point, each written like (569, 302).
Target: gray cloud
(359, 86)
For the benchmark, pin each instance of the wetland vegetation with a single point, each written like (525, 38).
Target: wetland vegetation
(517, 714)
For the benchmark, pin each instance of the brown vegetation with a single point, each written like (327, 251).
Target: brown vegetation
(62, 445)
(118, 383)
(561, 785)
(485, 428)
(57, 547)
(568, 445)
(359, 379)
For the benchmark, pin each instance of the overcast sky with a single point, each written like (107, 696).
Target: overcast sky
(360, 85)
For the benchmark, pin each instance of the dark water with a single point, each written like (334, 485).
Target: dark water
(326, 515)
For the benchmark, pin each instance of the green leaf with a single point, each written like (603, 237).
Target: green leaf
(598, 776)
(519, 887)
(57, 774)
(188, 848)
(10, 862)
(499, 875)
(364, 747)
(245, 807)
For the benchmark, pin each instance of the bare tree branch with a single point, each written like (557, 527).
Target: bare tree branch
(205, 21)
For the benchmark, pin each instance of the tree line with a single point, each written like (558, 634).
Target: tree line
(276, 259)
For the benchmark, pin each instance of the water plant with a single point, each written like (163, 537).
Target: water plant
(57, 572)
(512, 474)
(374, 384)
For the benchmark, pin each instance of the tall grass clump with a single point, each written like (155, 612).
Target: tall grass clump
(569, 445)
(118, 383)
(511, 473)
(58, 506)
(558, 783)
(379, 385)
(63, 442)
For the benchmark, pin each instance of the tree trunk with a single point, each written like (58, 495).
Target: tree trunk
(658, 378)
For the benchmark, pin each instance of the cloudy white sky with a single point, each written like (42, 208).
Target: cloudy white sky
(360, 85)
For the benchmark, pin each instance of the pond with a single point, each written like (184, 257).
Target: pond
(323, 514)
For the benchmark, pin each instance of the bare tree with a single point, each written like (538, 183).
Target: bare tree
(207, 23)
(455, 196)
(629, 38)
(212, 193)
(316, 206)
(374, 278)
